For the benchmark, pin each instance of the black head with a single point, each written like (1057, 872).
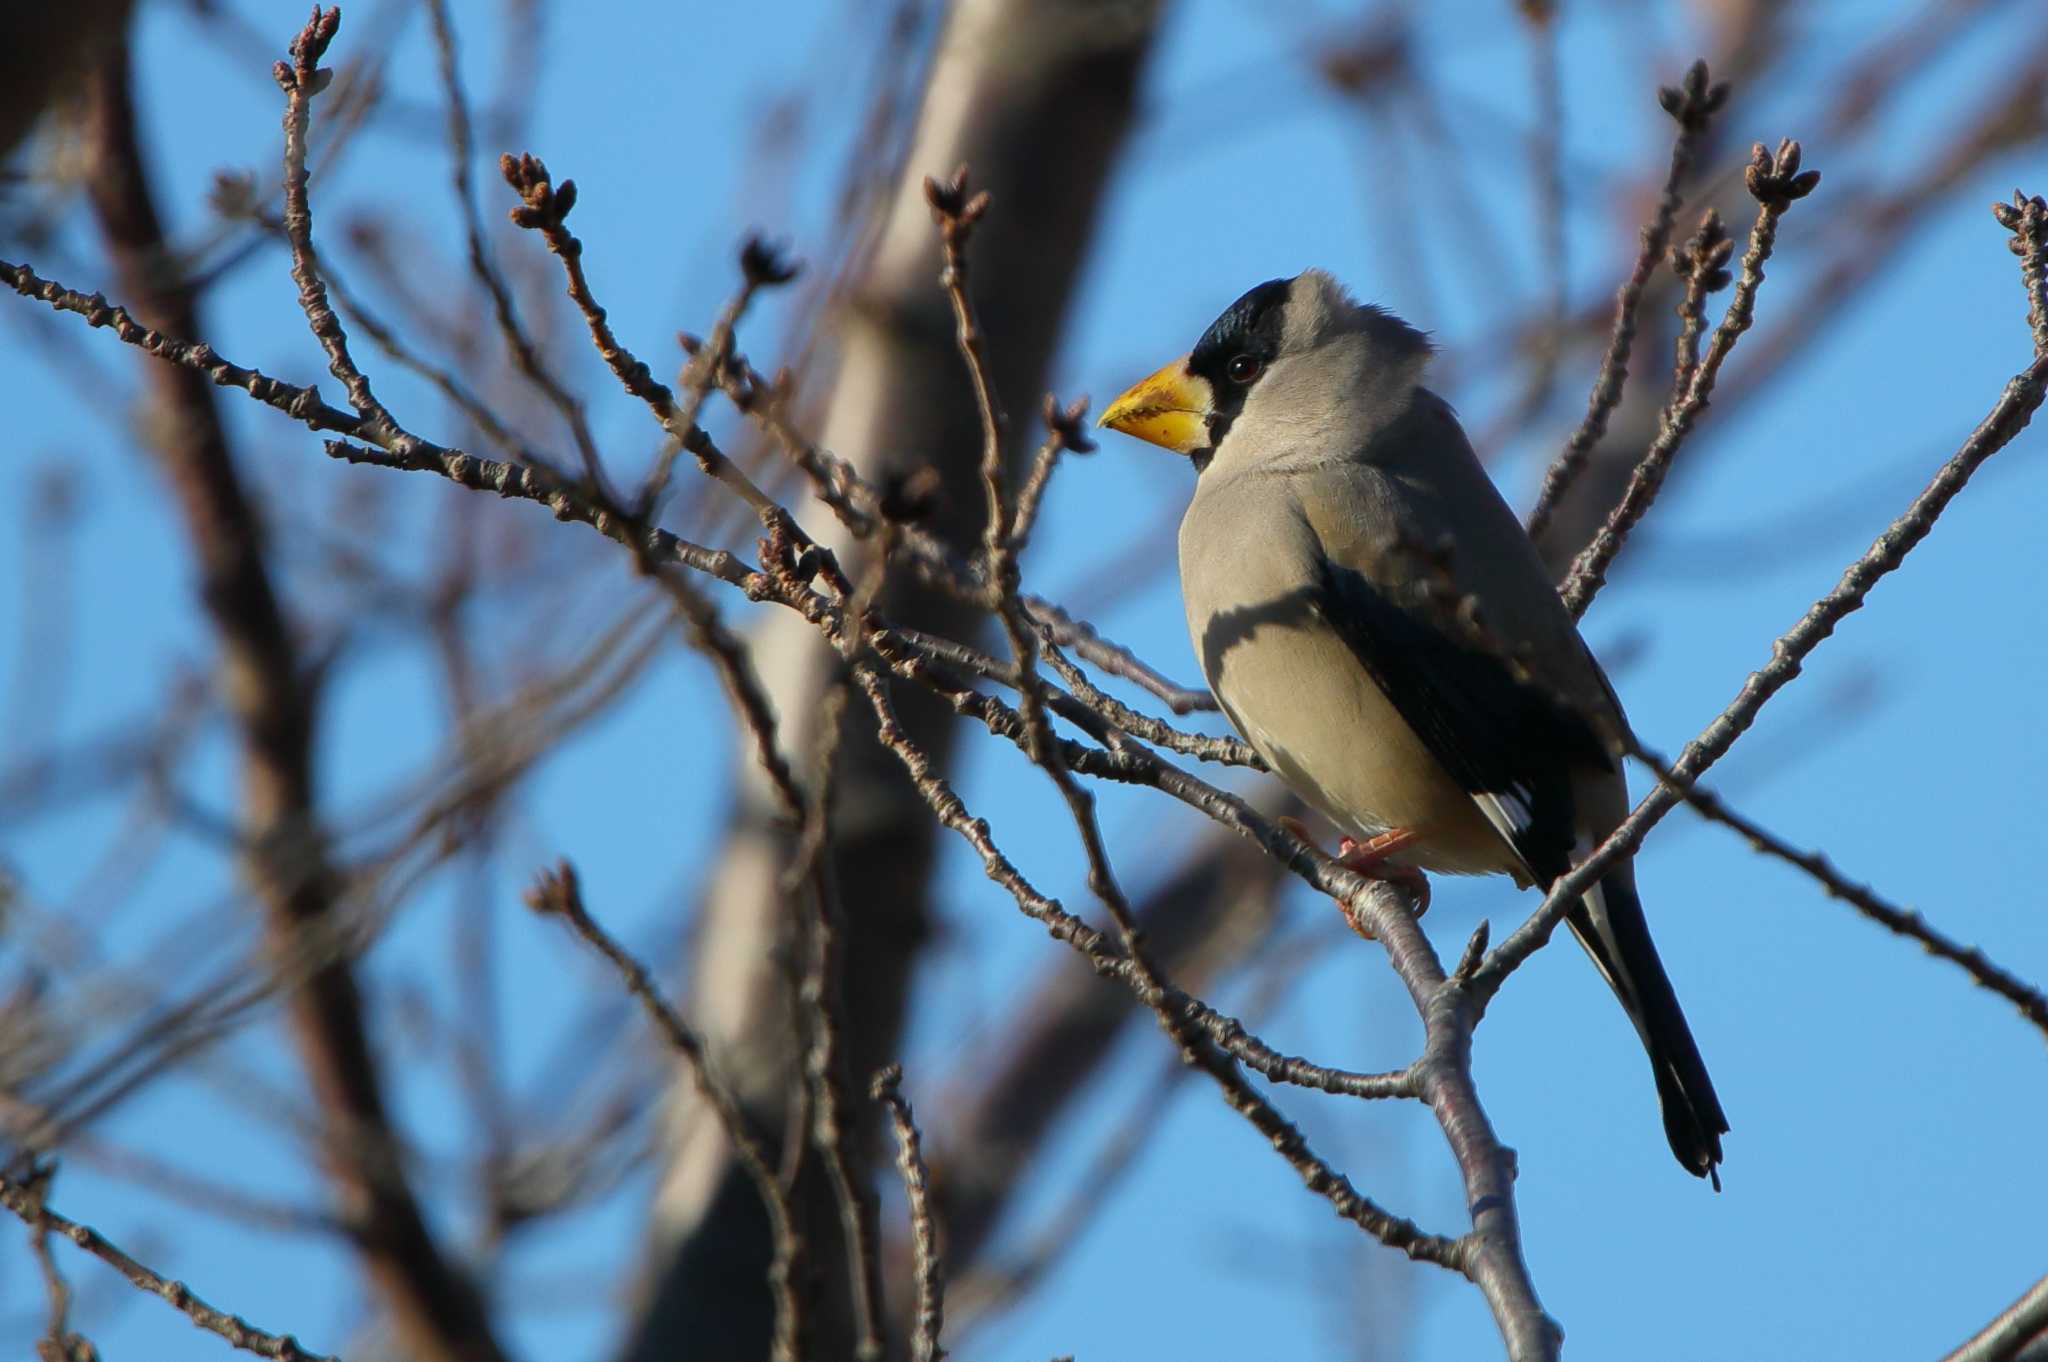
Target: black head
(1299, 358)
(1236, 349)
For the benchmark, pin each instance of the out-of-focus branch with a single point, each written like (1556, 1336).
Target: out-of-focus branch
(436, 1310)
(27, 1204)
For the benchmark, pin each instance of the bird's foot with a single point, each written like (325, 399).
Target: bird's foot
(1369, 858)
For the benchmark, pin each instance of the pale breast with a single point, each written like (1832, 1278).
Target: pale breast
(1299, 695)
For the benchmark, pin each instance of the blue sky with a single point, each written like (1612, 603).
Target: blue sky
(1886, 1114)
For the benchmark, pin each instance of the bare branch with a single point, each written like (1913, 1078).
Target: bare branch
(26, 1204)
(59, 1343)
(1702, 264)
(1316, 1175)
(1116, 659)
(760, 267)
(1228, 750)
(2031, 1002)
(924, 1231)
(558, 893)
(1693, 104)
(2026, 217)
(1776, 183)
(1066, 428)
(301, 79)
(2014, 409)
(2022, 1322)
(544, 207)
(524, 352)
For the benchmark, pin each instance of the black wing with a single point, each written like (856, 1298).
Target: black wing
(1508, 742)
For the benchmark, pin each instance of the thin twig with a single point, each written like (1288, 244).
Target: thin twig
(2026, 217)
(450, 385)
(833, 480)
(301, 79)
(1116, 659)
(23, 1202)
(59, 1343)
(761, 266)
(956, 213)
(544, 207)
(524, 352)
(1066, 428)
(1315, 1174)
(558, 893)
(1776, 183)
(301, 404)
(2031, 1002)
(1230, 751)
(2015, 407)
(1701, 264)
(927, 1266)
(822, 997)
(1693, 104)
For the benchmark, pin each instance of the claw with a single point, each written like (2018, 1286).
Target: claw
(1369, 858)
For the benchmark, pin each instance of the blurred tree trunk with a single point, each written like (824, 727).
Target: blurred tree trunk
(45, 51)
(1037, 96)
(435, 1309)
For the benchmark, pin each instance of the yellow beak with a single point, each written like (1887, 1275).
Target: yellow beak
(1170, 409)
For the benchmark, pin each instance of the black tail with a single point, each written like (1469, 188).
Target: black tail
(1610, 925)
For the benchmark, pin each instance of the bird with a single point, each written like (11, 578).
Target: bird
(1374, 620)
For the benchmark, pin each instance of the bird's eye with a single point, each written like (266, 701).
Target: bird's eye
(1242, 368)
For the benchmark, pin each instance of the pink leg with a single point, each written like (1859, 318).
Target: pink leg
(1369, 858)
